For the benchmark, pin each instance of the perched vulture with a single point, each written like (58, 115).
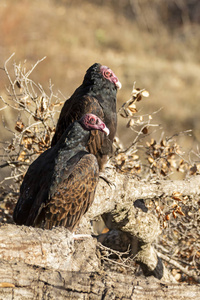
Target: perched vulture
(60, 184)
(96, 95)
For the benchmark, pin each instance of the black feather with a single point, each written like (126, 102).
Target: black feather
(95, 95)
(59, 185)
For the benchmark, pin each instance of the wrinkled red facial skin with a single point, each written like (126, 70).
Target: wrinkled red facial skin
(91, 121)
(108, 74)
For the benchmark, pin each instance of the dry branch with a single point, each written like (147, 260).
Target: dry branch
(128, 188)
(36, 262)
(40, 264)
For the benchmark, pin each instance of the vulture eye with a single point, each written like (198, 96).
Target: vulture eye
(92, 121)
(108, 74)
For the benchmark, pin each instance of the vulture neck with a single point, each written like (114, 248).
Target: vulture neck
(99, 87)
(105, 92)
(74, 138)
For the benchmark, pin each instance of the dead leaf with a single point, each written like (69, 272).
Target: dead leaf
(167, 217)
(7, 285)
(130, 123)
(193, 170)
(19, 126)
(176, 196)
(22, 155)
(174, 214)
(145, 93)
(145, 130)
(179, 211)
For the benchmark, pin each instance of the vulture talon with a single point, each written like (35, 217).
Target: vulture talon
(109, 182)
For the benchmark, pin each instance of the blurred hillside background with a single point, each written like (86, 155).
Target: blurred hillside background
(155, 43)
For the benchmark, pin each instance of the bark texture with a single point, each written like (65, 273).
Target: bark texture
(42, 264)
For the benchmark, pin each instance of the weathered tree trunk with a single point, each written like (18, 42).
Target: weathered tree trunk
(42, 264)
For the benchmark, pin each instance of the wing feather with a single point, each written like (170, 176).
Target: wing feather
(73, 109)
(32, 187)
(73, 195)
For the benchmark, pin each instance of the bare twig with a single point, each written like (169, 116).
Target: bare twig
(34, 66)
(181, 268)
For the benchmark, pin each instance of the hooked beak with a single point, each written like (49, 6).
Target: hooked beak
(106, 130)
(118, 84)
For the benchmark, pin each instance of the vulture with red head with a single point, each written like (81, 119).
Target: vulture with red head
(96, 95)
(60, 184)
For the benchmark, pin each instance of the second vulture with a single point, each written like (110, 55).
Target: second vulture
(60, 184)
(96, 95)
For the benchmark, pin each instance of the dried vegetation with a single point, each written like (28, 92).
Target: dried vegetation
(145, 158)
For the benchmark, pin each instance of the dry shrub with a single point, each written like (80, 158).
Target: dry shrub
(35, 123)
(145, 157)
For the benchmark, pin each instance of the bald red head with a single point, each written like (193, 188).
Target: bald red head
(109, 74)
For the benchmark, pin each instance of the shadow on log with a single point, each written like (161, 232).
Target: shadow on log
(56, 264)
(41, 264)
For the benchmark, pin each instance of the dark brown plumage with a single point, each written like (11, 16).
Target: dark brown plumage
(60, 184)
(97, 95)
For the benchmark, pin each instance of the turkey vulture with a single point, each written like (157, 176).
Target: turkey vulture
(59, 185)
(96, 95)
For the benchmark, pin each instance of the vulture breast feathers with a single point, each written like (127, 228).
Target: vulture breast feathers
(96, 95)
(60, 184)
